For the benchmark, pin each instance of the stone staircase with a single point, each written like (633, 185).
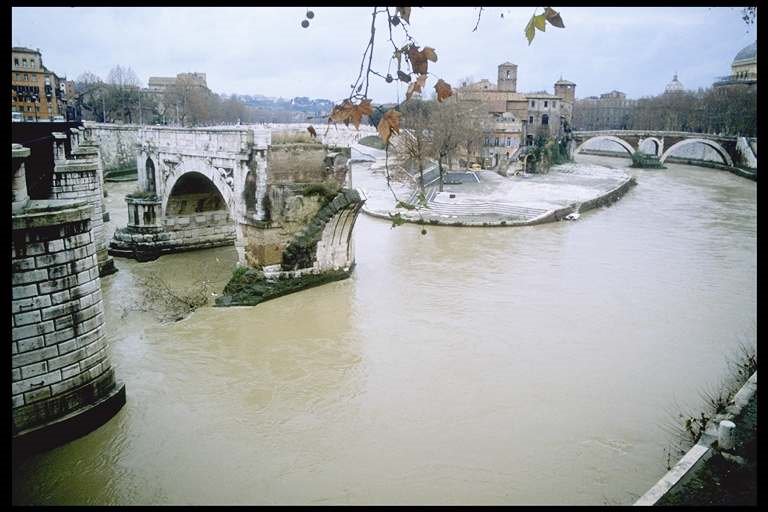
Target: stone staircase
(478, 209)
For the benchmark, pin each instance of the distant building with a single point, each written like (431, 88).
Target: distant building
(37, 94)
(611, 111)
(743, 69)
(516, 117)
(162, 83)
(674, 86)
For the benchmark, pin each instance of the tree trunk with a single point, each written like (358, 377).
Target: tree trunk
(440, 166)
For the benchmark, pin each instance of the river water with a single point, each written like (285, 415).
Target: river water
(526, 365)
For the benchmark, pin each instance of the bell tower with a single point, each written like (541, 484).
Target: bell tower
(507, 77)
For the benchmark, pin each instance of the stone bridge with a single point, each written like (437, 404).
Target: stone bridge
(734, 151)
(283, 205)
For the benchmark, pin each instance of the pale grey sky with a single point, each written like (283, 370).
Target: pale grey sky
(265, 50)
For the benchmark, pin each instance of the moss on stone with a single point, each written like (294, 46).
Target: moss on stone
(250, 287)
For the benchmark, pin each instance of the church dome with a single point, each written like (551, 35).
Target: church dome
(674, 85)
(746, 53)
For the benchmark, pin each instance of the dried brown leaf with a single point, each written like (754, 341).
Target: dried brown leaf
(416, 86)
(389, 124)
(443, 90)
(429, 54)
(553, 17)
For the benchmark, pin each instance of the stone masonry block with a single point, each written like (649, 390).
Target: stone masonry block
(84, 289)
(58, 258)
(57, 285)
(90, 337)
(34, 369)
(71, 383)
(22, 292)
(47, 379)
(69, 371)
(33, 276)
(60, 310)
(91, 323)
(37, 395)
(16, 374)
(63, 322)
(28, 331)
(67, 359)
(17, 401)
(55, 245)
(31, 303)
(23, 265)
(30, 343)
(59, 297)
(20, 319)
(59, 336)
(33, 356)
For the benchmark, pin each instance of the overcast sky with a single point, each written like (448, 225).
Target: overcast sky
(266, 51)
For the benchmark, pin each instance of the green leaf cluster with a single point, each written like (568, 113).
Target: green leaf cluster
(539, 22)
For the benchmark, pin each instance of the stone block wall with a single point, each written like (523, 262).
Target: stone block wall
(79, 179)
(117, 143)
(59, 355)
(176, 233)
(297, 163)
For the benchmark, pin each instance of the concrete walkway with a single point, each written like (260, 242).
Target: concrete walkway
(490, 199)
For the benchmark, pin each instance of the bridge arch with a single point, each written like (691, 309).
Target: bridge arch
(193, 192)
(710, 143)
(657, 146)
(624, 144)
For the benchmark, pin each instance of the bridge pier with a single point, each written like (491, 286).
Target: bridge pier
(62, 381)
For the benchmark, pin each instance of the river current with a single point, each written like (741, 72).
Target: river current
(527, 365)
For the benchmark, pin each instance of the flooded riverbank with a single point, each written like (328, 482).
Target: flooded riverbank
(464, 366)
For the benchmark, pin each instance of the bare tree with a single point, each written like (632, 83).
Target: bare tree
(416, 140)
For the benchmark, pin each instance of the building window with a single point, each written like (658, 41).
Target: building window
(545, 119)
(507, 73)
(533, 104)
(530, 119)
(545, 104)
(16, 62)
(24, 62)
(509, 141)
(26, 77)
(554, 104)
(497, 142)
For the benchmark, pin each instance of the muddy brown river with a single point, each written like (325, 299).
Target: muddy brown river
(529, 365)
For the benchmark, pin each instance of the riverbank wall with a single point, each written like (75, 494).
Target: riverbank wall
(697, 456)
(553, 215)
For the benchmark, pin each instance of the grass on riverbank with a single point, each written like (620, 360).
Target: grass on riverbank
(724, 480)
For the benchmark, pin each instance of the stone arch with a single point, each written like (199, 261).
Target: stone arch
(624, 144)
(656, 143)
(150, 176)
(712, 144)
(197, 192)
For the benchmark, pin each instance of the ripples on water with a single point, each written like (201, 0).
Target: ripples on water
(520, 365)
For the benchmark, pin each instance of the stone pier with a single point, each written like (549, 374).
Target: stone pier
(78, 178)
(62, 381)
